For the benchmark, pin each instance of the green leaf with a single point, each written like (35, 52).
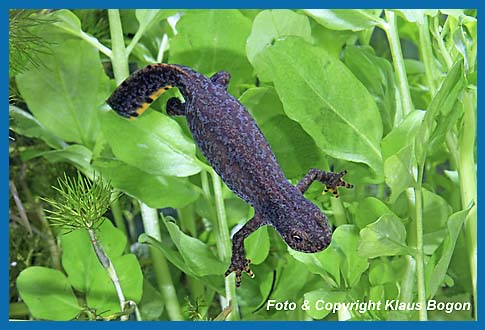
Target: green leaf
(146, 17)
(403, 135)
(196, 254)
(322, 263)
(376, 73)
(157, 191)
(436, 211)
(416, 15)
(429, 135)
(171, 254)
(346, 240)
(399, 172)
(437, 265)
(23, 123)
(287, 288)
(345, 19)
(369, 210)
(339, 114)
(212, 40)
(154, 143)
(102, 293)
(48, 294)
(214, 282)
(270, 25)
(286, 137)
(398, 152)
(330, 40)
(324, 295)
(79, 259)
(151, 305)
(257, 245)
(385, 237)
(75, 154)
(68, 22)
(340, 258)
(64, 94)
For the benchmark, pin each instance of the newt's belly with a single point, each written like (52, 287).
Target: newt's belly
(233, 144)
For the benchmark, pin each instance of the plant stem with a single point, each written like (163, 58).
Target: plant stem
(423, 315)
(110, 269)
(426, 52)
(160, 265)
(118, 56)
(338, 211)
(398, 61)
(468, 182)
(224, 245)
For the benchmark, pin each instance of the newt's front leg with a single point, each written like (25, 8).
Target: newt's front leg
(239, 263)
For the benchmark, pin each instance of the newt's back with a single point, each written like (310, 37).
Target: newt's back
(232, 142)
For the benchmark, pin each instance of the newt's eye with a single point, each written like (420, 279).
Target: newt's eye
(297, 238)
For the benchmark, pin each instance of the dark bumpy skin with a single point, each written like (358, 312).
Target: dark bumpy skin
(232, 142)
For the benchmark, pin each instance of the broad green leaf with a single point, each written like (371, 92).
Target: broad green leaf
(157, 191)
(23, 123)
(318, 298)
(330, 40)
(403, 135)
(400, 172)
(376, 73)
(196, 254)
(340, 258)
(64, 94)
(416, 15)
(270, 25)
(215, 282)
(212, 40)
(436, 212)
(398, 152)
(68, 22)
(322, 263)
(153, 142)
(346, 239)
(171, 254)
(146, 17)
(79, 259)
(339, 114)
(151, 305)
(102, 293)
(286, 137)
(75, 154)
(437, 265)
(257, 245)
(369, 210)
(287, 287)
(346, 19)
(385, 237)
(48, 294)
(381, 272)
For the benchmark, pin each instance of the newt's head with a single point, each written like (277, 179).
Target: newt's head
(305, 228)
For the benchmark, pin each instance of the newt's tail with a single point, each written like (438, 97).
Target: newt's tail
(138, 91)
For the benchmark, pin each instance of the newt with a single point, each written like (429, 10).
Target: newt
(236, 148)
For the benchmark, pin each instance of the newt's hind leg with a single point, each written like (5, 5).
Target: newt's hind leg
(175, 107)
(221, 78)
(330, 179)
